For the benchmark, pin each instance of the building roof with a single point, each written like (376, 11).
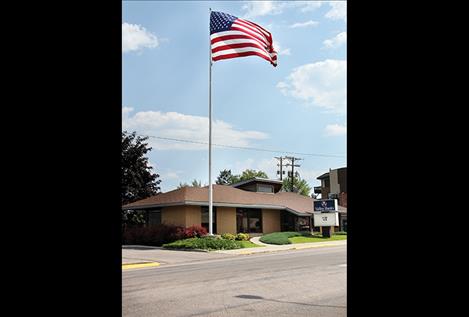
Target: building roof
(257, 180)
(325, 175)
(228, 196)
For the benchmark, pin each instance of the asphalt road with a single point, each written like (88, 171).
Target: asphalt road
(310, 282)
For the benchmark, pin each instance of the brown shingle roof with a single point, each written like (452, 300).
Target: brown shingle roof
(227, 195)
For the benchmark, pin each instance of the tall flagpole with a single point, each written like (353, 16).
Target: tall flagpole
(210, 194)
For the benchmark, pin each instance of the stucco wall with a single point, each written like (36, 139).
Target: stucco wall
(226, 220)
(335, 187)
(174, 215)
(270, 220)
(193, 216)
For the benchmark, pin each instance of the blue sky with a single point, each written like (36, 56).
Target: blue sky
(299, 106)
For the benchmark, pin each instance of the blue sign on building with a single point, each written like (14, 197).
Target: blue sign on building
(325, 205)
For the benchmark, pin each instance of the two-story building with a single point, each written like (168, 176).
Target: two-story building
(334, 186)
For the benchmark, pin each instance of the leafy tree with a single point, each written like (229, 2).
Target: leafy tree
(138, 181)
(300, 186)
(235, 179)
(225, 178)
(195, 183)
(248, 174)
(182, 185)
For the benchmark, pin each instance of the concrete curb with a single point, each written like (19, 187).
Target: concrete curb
(127, 246)
(273, 249)
(193, 250)
(139, 265)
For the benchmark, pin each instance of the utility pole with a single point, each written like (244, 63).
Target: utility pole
(293, 165)
(281, 165)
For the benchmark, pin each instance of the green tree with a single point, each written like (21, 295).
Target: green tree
(225, 178)
(138, 181)
(300, 186)
(248, 174)
(195, 183)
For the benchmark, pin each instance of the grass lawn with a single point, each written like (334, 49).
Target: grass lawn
(317, 239)
(249, 244)
(279, 237)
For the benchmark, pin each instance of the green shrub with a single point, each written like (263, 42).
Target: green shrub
(155, 235)
(242, 236)
(279, 237)
(343, 233)
(228, 236)
(204, 243)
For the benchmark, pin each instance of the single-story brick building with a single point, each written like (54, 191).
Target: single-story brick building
(253, 206)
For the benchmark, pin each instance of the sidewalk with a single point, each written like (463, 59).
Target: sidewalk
(138, 254)
(275, 248)
(134, 256)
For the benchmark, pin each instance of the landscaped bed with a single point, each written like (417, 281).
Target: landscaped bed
(290, 237)
(224, 242)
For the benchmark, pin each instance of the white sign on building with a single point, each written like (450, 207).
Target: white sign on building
(326, 219)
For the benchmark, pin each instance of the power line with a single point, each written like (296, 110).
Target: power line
(241, 147)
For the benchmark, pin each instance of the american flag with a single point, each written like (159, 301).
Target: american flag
(233, 37)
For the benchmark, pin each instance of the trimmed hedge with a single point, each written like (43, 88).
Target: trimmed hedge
(155, 235)
(340, 233)
(279, 237)
(242, 236)
(204, 243)
(228, 236)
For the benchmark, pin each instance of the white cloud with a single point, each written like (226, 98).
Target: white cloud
(186, 127)
(135, 37)
(307, 6)
(304, 6)
(338, 10)
(126, 110)
(336, 41)
(261, 8)
(278, 48)
(321, 84)
(335, 130)
(304, 24)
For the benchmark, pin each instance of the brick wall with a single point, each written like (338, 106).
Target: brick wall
(343, 199)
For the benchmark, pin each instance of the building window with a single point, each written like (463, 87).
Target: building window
(154, 217)
(265, 188)
(205, 220)
(249, 220)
